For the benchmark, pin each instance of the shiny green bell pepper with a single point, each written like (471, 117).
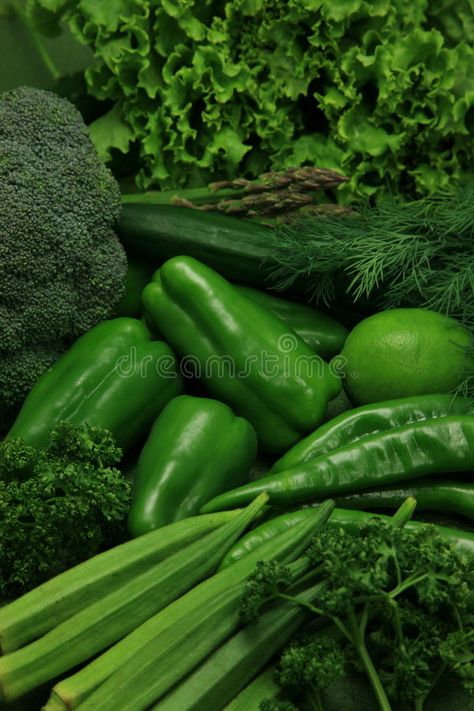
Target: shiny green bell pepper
(246, 355)
(113, 377)
(323, 334)
(196, 449)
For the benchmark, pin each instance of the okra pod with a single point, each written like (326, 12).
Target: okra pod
(51, 603)
(109, 619)
(261, 688)
(165, 660)
(225, 672)
(71, 692)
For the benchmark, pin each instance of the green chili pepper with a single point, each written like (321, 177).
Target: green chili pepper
(113, 377)
(339, 517)
(435, 446)
(246, 355)
(323, 334)
(196, 449)
(450, 497)
(369, 419)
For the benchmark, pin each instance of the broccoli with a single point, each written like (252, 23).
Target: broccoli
(59, 505)
(62, 268)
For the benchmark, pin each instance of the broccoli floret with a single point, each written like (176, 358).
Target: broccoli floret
(62, 268)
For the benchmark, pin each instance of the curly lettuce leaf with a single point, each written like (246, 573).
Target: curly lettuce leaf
(382, 89)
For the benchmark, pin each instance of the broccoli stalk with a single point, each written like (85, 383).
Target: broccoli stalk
(59, 505)
(400, 604)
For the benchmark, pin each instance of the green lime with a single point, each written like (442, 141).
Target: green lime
(403, 352)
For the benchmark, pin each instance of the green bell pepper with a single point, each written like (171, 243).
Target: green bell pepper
(323, 334)
(196, 449)
(113, 377)
(353, 425)
(246, 355)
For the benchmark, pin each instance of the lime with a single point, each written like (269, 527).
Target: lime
(403, 352)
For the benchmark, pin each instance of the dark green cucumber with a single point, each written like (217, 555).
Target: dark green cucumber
(237, 249)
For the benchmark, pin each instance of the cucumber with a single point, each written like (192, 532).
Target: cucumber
(110, 618)
(54, 601)
(225, 672)
(287, 547)
(237, 249)
(261, 688)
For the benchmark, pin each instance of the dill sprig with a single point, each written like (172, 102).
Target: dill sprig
(397, 253)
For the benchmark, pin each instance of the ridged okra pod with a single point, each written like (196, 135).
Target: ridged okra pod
(107, 620)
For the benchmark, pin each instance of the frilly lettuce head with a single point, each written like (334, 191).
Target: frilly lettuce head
(381, 89)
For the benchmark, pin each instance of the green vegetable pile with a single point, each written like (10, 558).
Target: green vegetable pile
(58, 505)
(154, 623)
(318, 147)
(382, 90)
(149, 625)
(62, 268)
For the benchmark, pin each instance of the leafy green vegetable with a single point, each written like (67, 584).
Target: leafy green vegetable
(311, 663)
(457, 650)
(58, 505)
(62, 268)
(418, 253)
(401, 605)
(380, 90)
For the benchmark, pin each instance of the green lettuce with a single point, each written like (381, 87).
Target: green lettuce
(382, 90)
